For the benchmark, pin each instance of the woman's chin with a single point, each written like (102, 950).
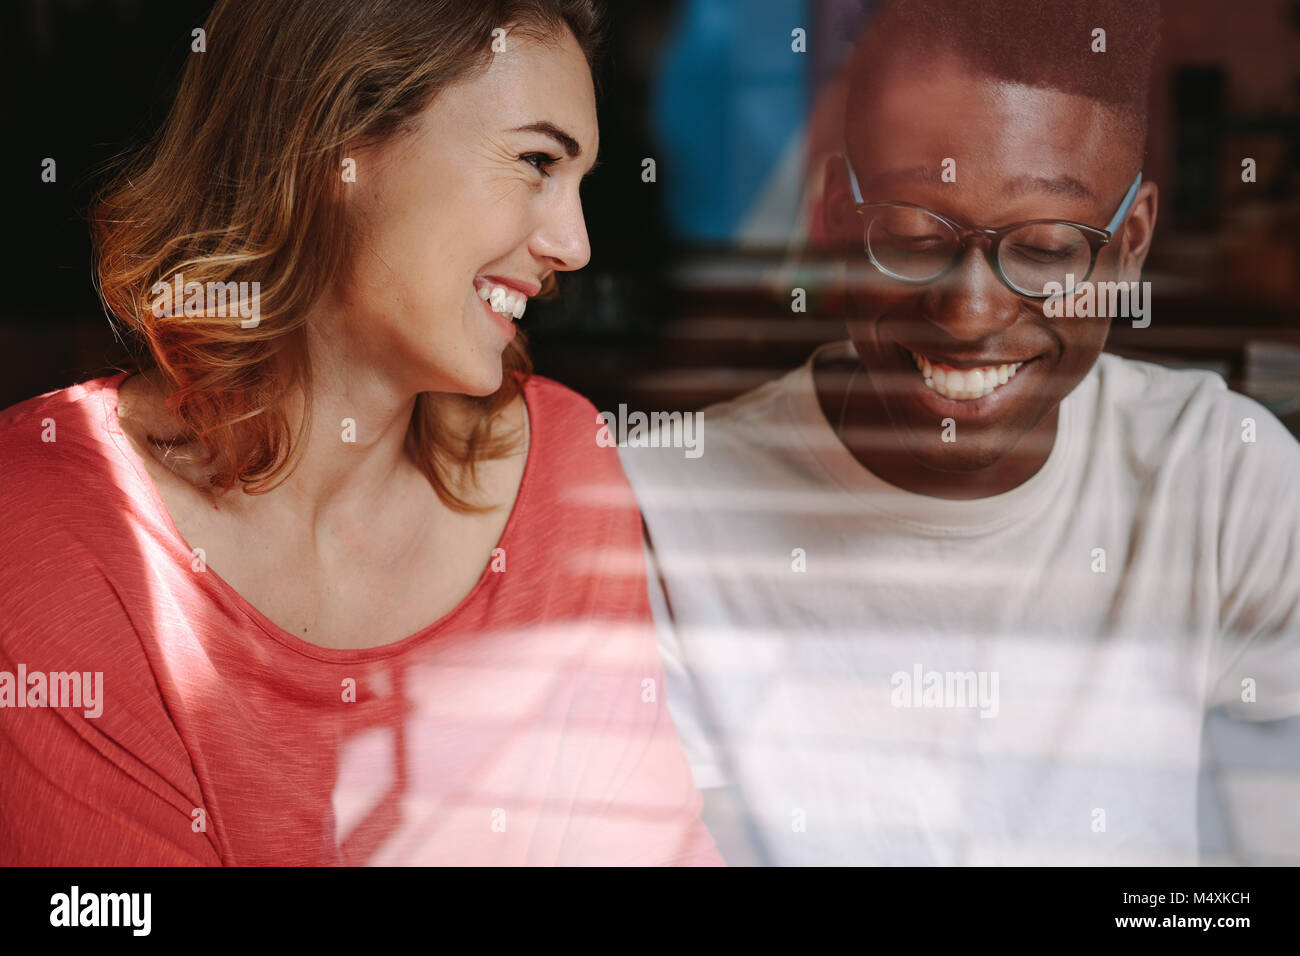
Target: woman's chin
(483, 382)
(473, 368)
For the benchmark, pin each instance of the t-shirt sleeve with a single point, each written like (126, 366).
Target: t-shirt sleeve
(683, 695)
(1257, 660)
(106, 783)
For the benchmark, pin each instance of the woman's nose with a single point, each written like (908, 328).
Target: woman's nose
(562, 238)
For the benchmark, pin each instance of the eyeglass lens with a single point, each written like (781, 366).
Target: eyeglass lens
(912, 244)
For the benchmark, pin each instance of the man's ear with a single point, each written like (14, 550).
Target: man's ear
(1137, 231)
(839, 218)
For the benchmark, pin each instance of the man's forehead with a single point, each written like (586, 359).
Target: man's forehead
(1013, 186)
(1004, 137)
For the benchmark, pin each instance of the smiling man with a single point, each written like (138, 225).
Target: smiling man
(961, 589)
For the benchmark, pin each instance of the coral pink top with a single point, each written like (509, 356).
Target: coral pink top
(527, 726)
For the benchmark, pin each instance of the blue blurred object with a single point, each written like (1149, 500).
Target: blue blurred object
(729, 100)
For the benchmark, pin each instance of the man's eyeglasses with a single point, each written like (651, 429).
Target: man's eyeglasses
(913, 244)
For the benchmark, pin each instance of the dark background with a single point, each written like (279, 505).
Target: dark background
(86, 81)
(665, 316)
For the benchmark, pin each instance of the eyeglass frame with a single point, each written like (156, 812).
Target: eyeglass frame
(1097, 238)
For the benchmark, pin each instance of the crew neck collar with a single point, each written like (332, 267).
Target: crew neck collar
(942, 516)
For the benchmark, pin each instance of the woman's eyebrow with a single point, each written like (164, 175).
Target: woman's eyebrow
(546, 128)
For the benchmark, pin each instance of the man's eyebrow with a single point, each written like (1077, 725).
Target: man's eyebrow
(546, 128)
(1066, 187)
(912, 174)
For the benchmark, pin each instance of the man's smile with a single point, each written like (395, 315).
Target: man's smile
(964, 382)
(962, 388)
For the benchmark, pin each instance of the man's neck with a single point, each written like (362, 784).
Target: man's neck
(870, 437)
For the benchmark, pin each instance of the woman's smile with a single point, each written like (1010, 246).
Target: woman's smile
(505, 300)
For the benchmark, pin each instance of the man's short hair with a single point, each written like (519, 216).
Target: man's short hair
(1039, 43)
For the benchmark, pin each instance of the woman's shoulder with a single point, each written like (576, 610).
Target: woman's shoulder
(560, 413)
(558, 402)
(58, 453)
(44, 429)
(566, 429)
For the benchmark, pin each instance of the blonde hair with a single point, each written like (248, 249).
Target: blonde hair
(236, 186)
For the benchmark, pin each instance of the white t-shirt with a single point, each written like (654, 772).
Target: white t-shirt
(889, 678)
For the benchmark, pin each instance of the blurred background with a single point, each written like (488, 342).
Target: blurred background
(687, 299)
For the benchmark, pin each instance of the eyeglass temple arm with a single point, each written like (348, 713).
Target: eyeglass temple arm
(1110, 226)
(1122, 211)
(853, 180)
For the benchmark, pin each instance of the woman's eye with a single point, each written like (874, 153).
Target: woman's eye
(540, 161)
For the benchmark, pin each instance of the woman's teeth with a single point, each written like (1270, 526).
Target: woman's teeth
(503, 300)
(964, 384)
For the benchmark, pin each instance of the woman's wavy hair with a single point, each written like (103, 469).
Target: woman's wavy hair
(238, 185)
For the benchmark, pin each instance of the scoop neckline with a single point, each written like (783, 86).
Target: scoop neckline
(183, 552)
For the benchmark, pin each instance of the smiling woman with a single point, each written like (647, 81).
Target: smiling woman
(359, 586)
(347, 162)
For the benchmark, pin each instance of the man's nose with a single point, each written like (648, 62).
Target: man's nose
(971, 302)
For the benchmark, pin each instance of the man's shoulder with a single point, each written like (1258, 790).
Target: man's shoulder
(783, 400)
(733, 434)
(1143, 383)
(1183, 413)
(757, 407)
(1139, 390)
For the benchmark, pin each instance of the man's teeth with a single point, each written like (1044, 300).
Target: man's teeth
(964, 384)
(503, 300)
